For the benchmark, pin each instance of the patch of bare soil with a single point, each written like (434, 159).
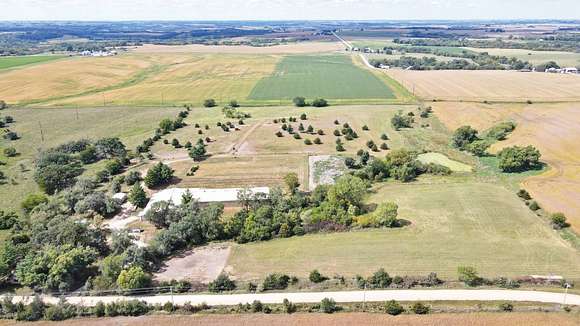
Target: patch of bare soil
(202, 264)
(338, 319)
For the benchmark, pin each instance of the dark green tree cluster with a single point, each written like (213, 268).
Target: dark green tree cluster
(400, 121)
(159, 175)
(519, 159)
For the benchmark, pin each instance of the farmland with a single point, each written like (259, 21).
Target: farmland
(465, 223)
(62, 125)
(564, 59)
(13, 62)
(479, 85)
(331, 77)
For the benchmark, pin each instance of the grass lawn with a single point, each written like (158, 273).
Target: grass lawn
(465, 223)
(132, 125)
(13, 62)
(327, 76)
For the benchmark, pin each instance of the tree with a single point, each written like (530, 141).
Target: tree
(518, 159)
(114, 166)
(55, 177)
(317, 141)
(386, 214)
(319, 102)
(380, 279)
(209, 103)
(328, 306)
(10, 151)
(107, 148)
(132, 177)
(340, 147)
(275, 282)
(234, 104)
(299, 101)
(137, 196)
(316, 277)
(222, 283)
(469, 276)
(393, 308)
(158, 175)
(7, 220)
(559, 220)
(88, 155)
(307, 142)
(384, 137)
(478, 148)
(303, 116)
(166, 126)
(133, 278)
(399, 121)
(463, 136)
(347, 191)
(198, 152)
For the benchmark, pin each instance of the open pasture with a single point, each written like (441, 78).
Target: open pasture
(480, 85)
(13, 62)
(452, 224)
(553, 128)
(132, 125)
(326, 76)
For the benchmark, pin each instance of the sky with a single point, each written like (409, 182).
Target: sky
(286, 9)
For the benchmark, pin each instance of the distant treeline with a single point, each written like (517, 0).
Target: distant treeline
(569, 43)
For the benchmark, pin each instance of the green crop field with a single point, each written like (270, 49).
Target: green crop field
(463, 223)
(12, 62)
(327, 76)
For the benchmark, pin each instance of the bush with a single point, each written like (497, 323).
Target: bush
(317, 141)
(279, 134)
(133, 278)
(316, 277)
(319, 102)
(303, 116)
(518, 159)
(299, 101)
(380, 279)
(297, 136)
(339, 147)
(384, 146)
(276, 281)
(137, 196)
(399, 121)
(307, 142)
(328, 306)
(209, 103)
(10, 151)
(7, 220)
(420, 309)
(523, 194)
(222, 283)
(257, 306)
(365, 128)
(559, 220)
(11, 135)
(158, 175)
(463, 136)
(132, 177)
(60, 311)
(288, 306)
(469, 276)
(33, 200)
(506, 306)
(393, 308)
(114, 166)
(534, 205)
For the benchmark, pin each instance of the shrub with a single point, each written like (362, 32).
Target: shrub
(559, 221)
(303, 116)
(319, 102)
(175, 143)
(384, 146)
(336, 122)
(320, 132)
(257, 306)
(279, 134)
(299, 101)
(158, 175)
(393, 308)
(523, 194)
(328, 306)
(222, 283)
(463, 136)
(365, 128)
(518, 159)
(506, 306)
(33, 200)
(209, 103)
(7, 220)
(10, 151)
(275, 281)
(469, 276)
(399, 121)
(137, 196)
(384, 137)
(339, 147)
(534, 205)
(317, 141)
(336, 132)
(133, 278)
(297, 136)
(11, 135)
(288, 306)
(316, 277)
(114, 166)
(380, 279)
(420, 309)
(132, 177)
(307, 142)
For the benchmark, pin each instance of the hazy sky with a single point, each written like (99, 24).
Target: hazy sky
(285, 9)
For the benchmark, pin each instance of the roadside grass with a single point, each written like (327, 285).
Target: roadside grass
(452, 224)
(326, 76)
(13, 62)
(132, 125)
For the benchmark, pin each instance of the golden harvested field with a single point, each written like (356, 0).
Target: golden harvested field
(182, 78)
(479, 85)
(295, 48)
(338, 319)
(67, 77)
(564, 59)
(553, 128)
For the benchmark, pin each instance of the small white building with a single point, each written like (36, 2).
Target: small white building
(203, 195)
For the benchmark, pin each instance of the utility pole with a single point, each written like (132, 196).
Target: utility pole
(41, 133)
(364, 296)
(566, 286)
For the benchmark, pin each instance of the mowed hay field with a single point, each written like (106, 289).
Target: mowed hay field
(189, 79)
(13, 62)
(466, 223)
(480, 85)
(255, 156)
(337, 319)
(132, 125)
(326, 76)
(67, 77)
(553, 128)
